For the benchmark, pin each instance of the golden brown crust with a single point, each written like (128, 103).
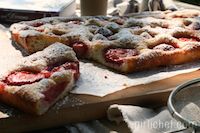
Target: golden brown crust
(28, 43)
(14, 100)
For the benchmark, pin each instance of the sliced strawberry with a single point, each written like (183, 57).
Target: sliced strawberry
(80, 49)
(118, 55)
(37, 24)
(68, 65)
(27, 77)
(23, 77)
(183, 39)
(2, 86)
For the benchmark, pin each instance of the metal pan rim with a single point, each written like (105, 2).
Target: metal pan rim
(172, 109)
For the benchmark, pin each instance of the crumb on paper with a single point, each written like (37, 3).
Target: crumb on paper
(125, 84)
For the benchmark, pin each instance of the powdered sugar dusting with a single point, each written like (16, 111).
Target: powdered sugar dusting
(29, 33)
(69, 101)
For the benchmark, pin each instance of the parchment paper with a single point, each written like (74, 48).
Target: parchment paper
(96, 79)
(99, 81)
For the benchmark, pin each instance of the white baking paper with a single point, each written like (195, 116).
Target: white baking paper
(99, 81)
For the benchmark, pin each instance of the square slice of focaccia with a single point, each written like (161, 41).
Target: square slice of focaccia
(40, 79)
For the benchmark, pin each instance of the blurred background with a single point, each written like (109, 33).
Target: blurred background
(22, 10)
(195, 2)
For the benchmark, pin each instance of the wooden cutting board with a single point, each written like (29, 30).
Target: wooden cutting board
(77, 108)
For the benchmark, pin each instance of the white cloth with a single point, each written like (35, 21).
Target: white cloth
(87, 127)
(136, 120)
(143, 120)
